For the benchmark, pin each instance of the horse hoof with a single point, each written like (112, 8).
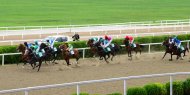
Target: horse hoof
(68, 64)
(170, 59)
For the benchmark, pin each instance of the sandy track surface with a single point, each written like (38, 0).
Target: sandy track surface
(12, 76)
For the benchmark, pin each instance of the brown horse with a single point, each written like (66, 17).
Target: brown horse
(93, 49)
(172, 50)
(66, 54)
(28, 56)
(130, 49)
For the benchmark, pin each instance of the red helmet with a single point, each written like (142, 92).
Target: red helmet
(126, 37)
(106, 37)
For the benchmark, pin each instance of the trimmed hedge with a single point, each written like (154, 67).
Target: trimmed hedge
(136, 91)
(186, 87)
(155, 89)
(177, 88)
(82, 44)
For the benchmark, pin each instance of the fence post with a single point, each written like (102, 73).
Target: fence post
(149, 48)
(25, 92)
(22, 36)
(124, 87)
(11, 43)
(78, 90)
(171, 88)
(188, 44)
(83, 54)
(3, 60)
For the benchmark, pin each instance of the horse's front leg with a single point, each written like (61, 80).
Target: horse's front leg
(171, 57)
(164, 55)
(67, 61)
(106, 59)
(40, 63)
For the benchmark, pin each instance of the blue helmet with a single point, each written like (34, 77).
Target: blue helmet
(36, 42)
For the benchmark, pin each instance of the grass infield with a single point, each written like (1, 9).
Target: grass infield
(64, 12)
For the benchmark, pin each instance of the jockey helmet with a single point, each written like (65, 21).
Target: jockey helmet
(126, 37)
(36, 42)
(101, 39)
(47, 41)
(106, 37)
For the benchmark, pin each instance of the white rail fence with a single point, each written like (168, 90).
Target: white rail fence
(77, 84)
(13, 42)
(97, 28)
(83, 50)
(143, 23)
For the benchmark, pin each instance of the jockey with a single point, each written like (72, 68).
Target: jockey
(37, 49)
(70, 48)
(131, 40)
(26, 45)
(106, 43)
(95, 40)
(177, 42)
(171, 40)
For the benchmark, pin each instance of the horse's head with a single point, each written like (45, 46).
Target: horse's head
(43, 46)
(166, 43)
(63, 47)
(90, 43)
(21, 48)
(126, 42)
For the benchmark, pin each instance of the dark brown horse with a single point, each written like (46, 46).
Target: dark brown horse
(129, 48)
(28, 56)
(173, 50)
(93, 49)
(51, 54)
(66, 54)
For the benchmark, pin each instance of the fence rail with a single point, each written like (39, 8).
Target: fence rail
(40, 30)
(77, 84)
(83, 50)
(143, 23)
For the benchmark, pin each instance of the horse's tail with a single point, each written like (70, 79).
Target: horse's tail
(187, 48)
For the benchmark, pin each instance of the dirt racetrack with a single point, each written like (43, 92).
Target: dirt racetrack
(12, 76)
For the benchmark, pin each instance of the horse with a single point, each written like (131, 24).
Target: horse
(173, 50)
(28, 56)
(130, 48)
(114, 48)
(50, 54)
(93, 49)
(66, 54)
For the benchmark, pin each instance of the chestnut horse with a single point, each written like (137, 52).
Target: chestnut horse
(66, 54)
(130, 49)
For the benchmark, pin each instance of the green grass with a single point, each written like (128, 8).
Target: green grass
(61, 12)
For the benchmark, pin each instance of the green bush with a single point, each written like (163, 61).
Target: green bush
(136, 91)
(186, 87)
(177, 88)
(155, 89)
(115, 94)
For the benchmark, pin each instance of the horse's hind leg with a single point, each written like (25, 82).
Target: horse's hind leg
(40, 63)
